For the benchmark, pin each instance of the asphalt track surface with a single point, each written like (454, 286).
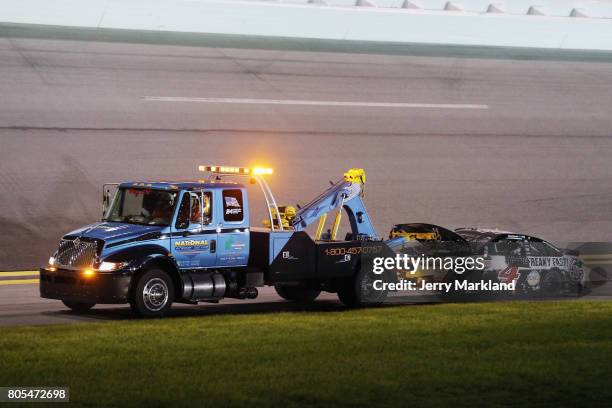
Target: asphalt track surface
(21, 305)
(514, 139)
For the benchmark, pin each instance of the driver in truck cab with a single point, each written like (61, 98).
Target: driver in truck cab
(196, 213)
(163, 211)
(196, 209)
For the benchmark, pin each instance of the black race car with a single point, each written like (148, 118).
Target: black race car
(537, 267)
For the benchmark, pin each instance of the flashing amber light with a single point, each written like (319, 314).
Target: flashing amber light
(262, 170)
(88, 273)
(52, 269)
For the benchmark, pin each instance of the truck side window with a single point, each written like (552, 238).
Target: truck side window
(201, 212)
(232, 206)
(195, 209)
(182, 220)
(207, 207)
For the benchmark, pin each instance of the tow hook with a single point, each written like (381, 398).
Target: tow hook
(248, 293)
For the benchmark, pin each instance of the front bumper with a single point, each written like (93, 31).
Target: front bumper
(73, 286)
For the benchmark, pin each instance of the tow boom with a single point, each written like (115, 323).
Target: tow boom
(345, 194)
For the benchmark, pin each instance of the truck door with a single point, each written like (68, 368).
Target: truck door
(194, 239)
(233, 246)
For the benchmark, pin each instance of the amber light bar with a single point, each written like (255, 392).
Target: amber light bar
(258, 171)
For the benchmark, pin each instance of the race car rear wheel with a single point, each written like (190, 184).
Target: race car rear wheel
(153, 294)
(79, 307)
(299, 293)
(551, 284)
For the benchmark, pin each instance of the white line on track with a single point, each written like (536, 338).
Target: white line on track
(316, 103)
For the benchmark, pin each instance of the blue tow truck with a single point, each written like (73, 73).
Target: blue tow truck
(190, 242)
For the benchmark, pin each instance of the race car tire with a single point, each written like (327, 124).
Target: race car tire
(79, 307)
(153, 294)
(358, 291)
(299, 294)
(551, 284)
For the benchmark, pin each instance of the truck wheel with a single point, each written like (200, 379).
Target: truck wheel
(79, 307)
(301, 293)
(347, 294)
(153, 294)
(359, 290)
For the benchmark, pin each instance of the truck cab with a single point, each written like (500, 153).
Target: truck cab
(211, 227)
(190, 242)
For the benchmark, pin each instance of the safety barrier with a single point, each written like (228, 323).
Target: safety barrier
(363, 20)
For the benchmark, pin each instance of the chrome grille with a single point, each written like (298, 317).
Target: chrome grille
(76, 253)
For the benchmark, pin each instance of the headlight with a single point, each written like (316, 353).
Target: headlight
(52, 261)
(110, 266)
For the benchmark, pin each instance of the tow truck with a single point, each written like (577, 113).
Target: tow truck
(189, 242)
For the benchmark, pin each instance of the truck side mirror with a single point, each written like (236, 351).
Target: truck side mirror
(105, 200)
(108, 192)
(182, 224)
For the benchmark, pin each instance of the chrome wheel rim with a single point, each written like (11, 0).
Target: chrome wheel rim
(155, 294)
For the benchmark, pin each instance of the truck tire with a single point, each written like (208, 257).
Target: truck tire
(300, 294)
(79, 307)
(347, 294)
(153, 294)
(358, 291)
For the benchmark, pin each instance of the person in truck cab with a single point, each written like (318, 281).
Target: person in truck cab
(196, 213)
(162, 213)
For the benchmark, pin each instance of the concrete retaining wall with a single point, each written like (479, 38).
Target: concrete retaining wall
(319, 21)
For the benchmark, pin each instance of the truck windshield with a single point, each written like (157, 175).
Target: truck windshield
(142, 206)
